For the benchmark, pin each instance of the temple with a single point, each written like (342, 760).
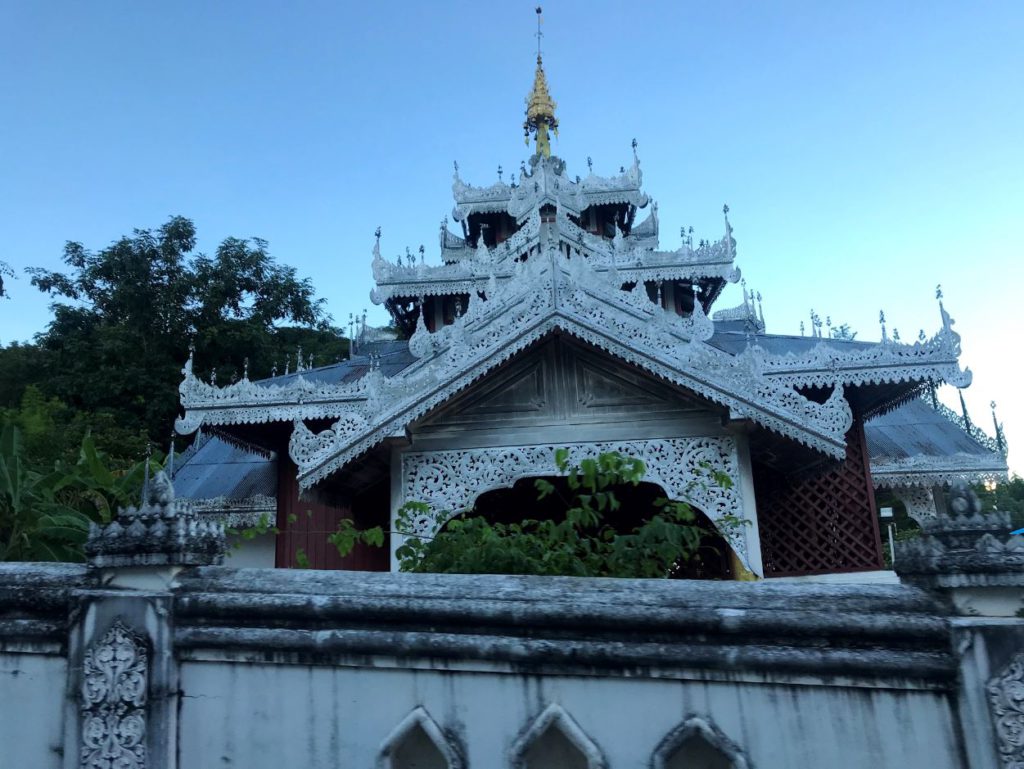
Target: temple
(552, 317)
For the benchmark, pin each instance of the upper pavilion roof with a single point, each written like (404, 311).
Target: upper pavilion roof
(555, 273)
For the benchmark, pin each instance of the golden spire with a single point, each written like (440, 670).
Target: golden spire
(540, 107)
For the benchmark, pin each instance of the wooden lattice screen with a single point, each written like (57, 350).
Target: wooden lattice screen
(823, 523)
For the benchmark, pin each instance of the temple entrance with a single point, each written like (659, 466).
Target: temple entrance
(518, 502)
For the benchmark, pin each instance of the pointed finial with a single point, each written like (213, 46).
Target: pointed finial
(801, 328)
(896, 335)
(145, 475)
(540, 107)
(192, 349)
(1000, 440)
(287, 364)
(455, 163)
(423, 256)
(921, 335)
(938, 292)
(881, 322)
(963, 408)
(725, 209)
(170, 451)
(273, 369)
(245, 368)
(376, 234)
(499, 172)
(213, 376)
(590, 164)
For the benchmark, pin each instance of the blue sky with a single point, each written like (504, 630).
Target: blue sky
(868, 151)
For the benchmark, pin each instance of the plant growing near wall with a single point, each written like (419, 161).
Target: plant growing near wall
(45, 513)
(581, 543)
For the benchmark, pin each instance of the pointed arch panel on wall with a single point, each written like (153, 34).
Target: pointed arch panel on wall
(418, 743)
(697, 744)
(555, 741)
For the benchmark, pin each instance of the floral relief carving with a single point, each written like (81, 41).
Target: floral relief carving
(114, 691)
(450, 481)
(1006, 698)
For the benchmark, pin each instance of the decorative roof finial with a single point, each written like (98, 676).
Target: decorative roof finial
(145, 477)
(170, 450)
(881, 322)
(1000, 440)
(590, 164)
(245, 369)
(499, 172)
(540, 107)
(963, 408)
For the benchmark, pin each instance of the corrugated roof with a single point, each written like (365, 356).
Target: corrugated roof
(916, 429)
(731, 337)
(394, 356)
(219, 469)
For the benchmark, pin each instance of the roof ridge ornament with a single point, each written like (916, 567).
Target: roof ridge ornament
(540, 107)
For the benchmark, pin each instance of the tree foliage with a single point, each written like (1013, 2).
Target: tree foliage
(45, 512)
(579, 543)
(124, 318)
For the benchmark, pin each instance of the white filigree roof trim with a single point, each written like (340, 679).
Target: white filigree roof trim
(564, 294)
(927, 470)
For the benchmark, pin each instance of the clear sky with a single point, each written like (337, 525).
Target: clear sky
(867, 150)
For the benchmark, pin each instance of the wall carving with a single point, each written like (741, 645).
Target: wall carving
(114, 689)
(1006, 698)
(450, 481)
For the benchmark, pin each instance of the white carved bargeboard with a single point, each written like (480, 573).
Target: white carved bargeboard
(450, 481)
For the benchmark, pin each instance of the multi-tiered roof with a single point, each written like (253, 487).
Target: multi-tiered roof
(550, 253)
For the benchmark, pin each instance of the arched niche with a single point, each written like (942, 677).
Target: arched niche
(418, 743)
(449, 481)
(697, 744)
(555, 741)
(514, 503)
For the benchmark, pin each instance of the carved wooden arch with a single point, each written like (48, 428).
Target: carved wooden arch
(704, 728)
(555, 716)
(419, 717)
(450, 481)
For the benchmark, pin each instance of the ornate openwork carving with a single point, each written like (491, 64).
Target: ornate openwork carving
(920, 502)
(450, 481)
(927, 471)
(1006, 698)
(114, 689)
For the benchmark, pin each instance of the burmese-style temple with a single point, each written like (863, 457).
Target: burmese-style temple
(553, 317)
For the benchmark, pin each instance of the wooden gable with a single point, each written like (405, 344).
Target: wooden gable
(561, 390)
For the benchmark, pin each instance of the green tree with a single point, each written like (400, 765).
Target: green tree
(45, 512)
(5, 272)
(579, 543)
(125, 317)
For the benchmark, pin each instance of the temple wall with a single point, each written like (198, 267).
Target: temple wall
(340, 716)
(214, 667)
(32, 709)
